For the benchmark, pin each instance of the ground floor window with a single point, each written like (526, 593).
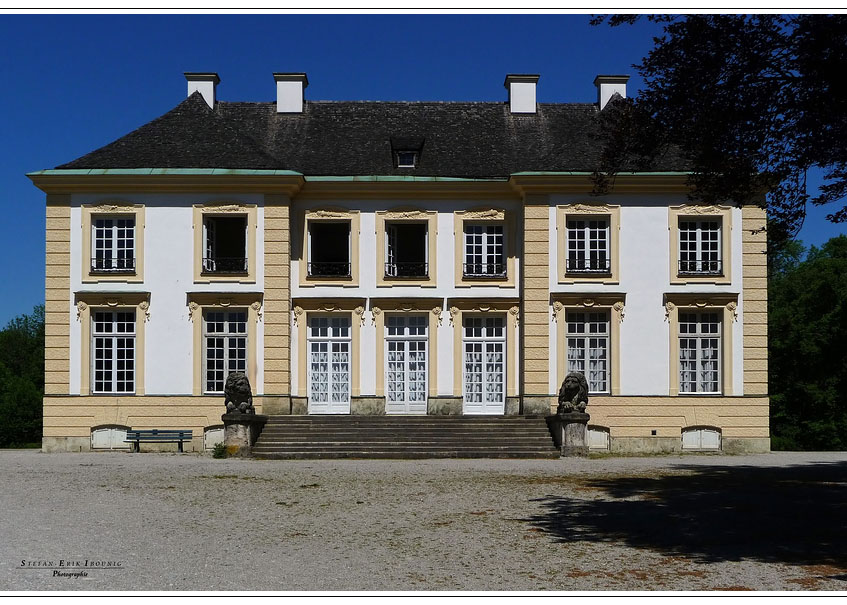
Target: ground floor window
(406, 363)
(225, 338)
(113, 346)
(484, 348)
(588, 347)
(699, 352)
(329, 344)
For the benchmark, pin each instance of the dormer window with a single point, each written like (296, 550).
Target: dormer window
(407, 159)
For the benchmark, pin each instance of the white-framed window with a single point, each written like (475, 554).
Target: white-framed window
(700, 246)
(588, 245)
(113, 347)
(484, 346)
(406, 363)
(329, 344)
(329, 250)
(406, 249)
(700, 352)
(225, 239)
(113, 240)
(588, 347)
(224, 347)
(406, 159)
(485, 254)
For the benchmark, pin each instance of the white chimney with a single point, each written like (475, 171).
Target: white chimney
(521, 89)
(205, 83)
(289, 92)
(609, 85)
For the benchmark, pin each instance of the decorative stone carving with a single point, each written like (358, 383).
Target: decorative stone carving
(328, 214)
(437, 312)
(257, 307)
(588, 209)
(557, 308)
(297, 311)
(732, 307)
(454, 311)
(694, 209)
(573, 394)
(669, 307)
(393, 215)
(492, 214)
(193, 307)
(238, 396)
(80, 309)
(144, 307)
(360, 311)
(225, 208)
(515, 312)
(112, 207)
(375, 312)
(619, 307)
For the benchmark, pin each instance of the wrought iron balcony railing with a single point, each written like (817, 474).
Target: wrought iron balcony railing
(406, 269)
(588, 265)
(222, 264)
(112, 265)
(328, 269)
(484, 270)
(700, 267)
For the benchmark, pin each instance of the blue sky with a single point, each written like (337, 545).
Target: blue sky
(72, 83)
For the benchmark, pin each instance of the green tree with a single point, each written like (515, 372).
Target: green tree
(22, 379)
(750, 103)
(807, 321)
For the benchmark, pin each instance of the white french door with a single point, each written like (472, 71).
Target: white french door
(484, 363)
(405, 364)
(329, 365)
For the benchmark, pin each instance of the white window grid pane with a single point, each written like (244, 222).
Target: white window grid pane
(114, 238)
(406, 360)
(484, 359)
(587, 338)
(699, 352)
(588, 243)
(699, 245)
(484, 249)
(113, 347)
(225, 337)
(329, 359)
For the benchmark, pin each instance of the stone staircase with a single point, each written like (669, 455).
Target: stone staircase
(405, 437)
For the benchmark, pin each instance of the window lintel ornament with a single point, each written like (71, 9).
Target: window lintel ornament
(393, 215)
(620, 308)
(697, 209)
(144, 306)
(107, 206)
(437, 312)
(588, 209)
(193, 307)
(297, 311)
(515, 312)
(375, 312)
(257, 307)
(80, 309)
(360, 311)
(557, 308)
(701, 301)
(491, 214)
(223, 208)
(454, 311)
(669, 308)
(732, 307)
(327, 213)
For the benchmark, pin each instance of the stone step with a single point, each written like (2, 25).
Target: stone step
(407, 454)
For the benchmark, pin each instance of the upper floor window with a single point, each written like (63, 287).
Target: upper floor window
(113, 347)
(485, 254)
(699, 352)
(225, 244)
(406, 159)
(406, 250)
(700, 247)
(329, 249)
(588, 245)
(113, 249)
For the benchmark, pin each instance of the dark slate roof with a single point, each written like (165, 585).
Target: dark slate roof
(355, 138)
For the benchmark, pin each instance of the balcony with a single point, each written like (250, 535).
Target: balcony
(328, 269)
(406, 270)
(484, 270)
(590, 266)
(113, 265)
(224, 264)
(700, 267)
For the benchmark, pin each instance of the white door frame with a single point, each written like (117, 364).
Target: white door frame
(406, 406)
(487, 341)
(331, 340)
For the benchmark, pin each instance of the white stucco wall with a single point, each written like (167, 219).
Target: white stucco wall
(168, 277)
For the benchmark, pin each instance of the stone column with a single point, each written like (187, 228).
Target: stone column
(570, 432)
(241, 432)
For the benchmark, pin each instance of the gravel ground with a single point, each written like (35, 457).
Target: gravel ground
(190, 522)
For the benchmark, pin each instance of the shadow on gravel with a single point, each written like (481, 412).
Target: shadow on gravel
(795, 515)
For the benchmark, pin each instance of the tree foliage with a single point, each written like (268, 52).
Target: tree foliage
(22, 379)
(807, 320)
(752, 101)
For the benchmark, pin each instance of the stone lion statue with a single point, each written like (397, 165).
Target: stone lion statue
(573, 396)
(238, 396)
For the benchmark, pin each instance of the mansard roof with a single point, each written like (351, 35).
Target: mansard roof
(359, 138)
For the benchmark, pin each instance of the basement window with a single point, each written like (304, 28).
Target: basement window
(406, 250)
(406, 159)
(329, 249)
(225, 249)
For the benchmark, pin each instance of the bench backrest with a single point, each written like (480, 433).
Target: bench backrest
(158, 433)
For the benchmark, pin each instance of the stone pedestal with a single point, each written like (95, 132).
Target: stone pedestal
(570, 432)
(241, 432)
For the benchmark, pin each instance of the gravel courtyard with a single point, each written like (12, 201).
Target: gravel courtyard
(187, 522)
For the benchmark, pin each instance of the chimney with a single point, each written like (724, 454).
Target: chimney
(521, 89)
(205, 82)
(289, 92)
(609, 85)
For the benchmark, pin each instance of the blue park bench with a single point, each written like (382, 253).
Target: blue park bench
(157, 436)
